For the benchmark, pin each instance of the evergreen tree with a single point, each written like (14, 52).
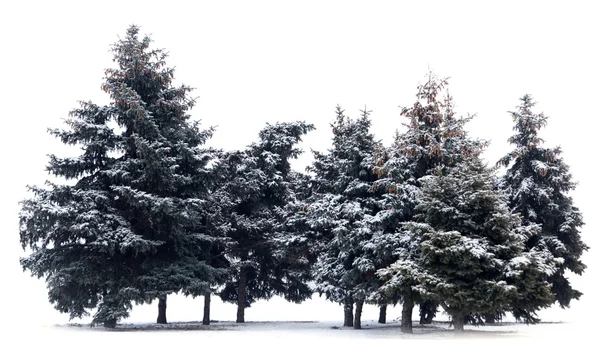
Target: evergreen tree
(135, 224)
(434, 138)
(471, 257)
(341, 210)
(537, 182)
(258, 185)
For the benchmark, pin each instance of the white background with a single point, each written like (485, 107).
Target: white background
(253, 62)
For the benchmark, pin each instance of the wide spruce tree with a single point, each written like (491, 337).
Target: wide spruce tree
(471, 249)
(134, 222)
(434, 138)
(341, 208)
(538, 182)
(257, 185)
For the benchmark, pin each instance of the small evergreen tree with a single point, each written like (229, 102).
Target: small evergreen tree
(537, 182)
(340, 210)
(471, 248)
(258, 186)
(132, 227)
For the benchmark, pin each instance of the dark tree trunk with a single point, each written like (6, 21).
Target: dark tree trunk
(459, 323)
(427, 312)
(162, 310)
(429, 319)
(489, 318)
(382, 314)
(241, 305)
(348, 316)
(111, 324)
(359, 306)
(407, 310)
(206, 317)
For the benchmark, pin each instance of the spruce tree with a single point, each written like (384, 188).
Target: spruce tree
(341, 209)
(434, 138)
(258, 184)
(134, 226)
(471, 248)
(537, 182)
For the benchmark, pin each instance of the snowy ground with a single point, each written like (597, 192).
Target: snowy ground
(279, 330)
(294, 340)
(299, 338)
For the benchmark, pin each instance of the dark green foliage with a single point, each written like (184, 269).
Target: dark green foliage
(257, 184)
(340, 214)
(136, 224)
(435, 139)
(537, 182)
(472, 260)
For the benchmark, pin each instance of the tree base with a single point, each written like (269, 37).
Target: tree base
(358, 315)
(110, 324)
(348, 315)
(162, 311)
(206, 317)
(382, 314)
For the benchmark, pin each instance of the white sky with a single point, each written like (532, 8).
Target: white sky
(257, 62)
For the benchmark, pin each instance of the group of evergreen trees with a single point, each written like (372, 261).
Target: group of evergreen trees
(152, 211)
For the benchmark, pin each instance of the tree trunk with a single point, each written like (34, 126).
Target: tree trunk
(489, 318)
(206, 318)
(407, 310)
(348, 316)
(162, 310)
(429, 319)
(427, 311)
(110, 324)
(241, 305)
(382, 314)
(359, 306)
(459, 323)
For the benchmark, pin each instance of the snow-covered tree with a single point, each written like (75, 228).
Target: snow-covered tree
(342, 206)
(136, 223)
(470, 248)
(537, 182)
(258, 183)
(434, 139)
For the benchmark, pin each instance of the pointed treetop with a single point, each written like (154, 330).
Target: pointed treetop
(527, 124)
(432, 87)
(526, 137)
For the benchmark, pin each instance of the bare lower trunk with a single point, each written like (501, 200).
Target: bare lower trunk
(206, 318)
(348, 316)
(111, 324)
(407, 310)
(429, 318)
(162, 310)
(427, 312)
(358, 313)
(241, 305)
(382, 314)
(489, 318)
(459, 323)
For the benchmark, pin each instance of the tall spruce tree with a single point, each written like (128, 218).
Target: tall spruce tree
(434, 138)
(341, 210)
(537, 182)
(135, 224)
(471, 257)
(258, 184)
